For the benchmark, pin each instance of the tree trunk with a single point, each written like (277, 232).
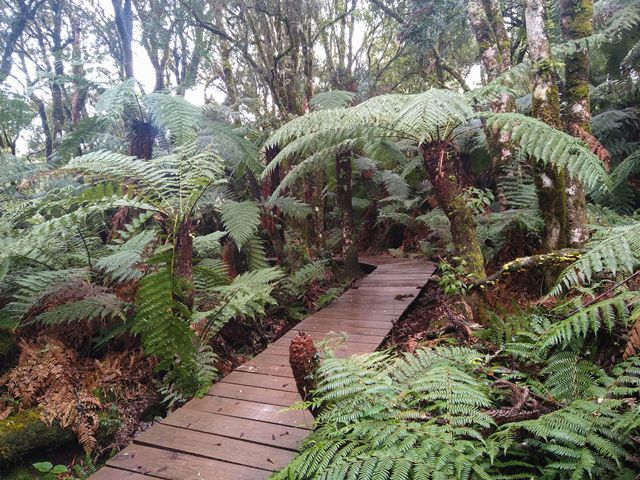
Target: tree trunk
(58, 69)
(577, 23)
(124, 25)
(442, 162)
(79, 96)
(344, 200)
(488, 27)
(274, 230)
(545, 104)
(11, 38)
(183, 262)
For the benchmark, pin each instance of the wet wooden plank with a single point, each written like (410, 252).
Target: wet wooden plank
(252, 411)
(271, 370)
(344, 334)
(215, 447)
(322, 322)
(254, 394)
(257, 380)
(108, 473)
(172, 465)
(280, 436)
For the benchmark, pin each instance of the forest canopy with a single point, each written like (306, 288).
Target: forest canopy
(183, 181)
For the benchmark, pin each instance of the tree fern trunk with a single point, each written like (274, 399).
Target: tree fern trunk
(442, 161)
(545, 103)
(274, 231)
(577, 23)
(183, 261)
(344, 200)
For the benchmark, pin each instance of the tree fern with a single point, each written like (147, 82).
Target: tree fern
(410, 417)
(163, 321)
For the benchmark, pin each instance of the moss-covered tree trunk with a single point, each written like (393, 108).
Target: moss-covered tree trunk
(442, 162)
(577, 23)
(545, 104)
(344, 200)
(494, 46)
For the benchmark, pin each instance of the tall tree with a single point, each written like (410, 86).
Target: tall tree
(545, 104)
(124, 25)
(19, 19)
(494, 47)
(577, 23)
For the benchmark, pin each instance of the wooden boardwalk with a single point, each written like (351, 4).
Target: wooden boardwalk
(238, 430)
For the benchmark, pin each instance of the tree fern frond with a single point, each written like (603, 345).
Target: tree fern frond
(113, 102)
(241, 220)
(99, 306)
(178, 117)
(331, 99)
(552, 146)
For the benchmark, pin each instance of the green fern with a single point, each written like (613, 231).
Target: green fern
(331, 99)
(410, 417)
(613, 249)
(241, 220)
(549, 145)
(589, 320)
(580, 440)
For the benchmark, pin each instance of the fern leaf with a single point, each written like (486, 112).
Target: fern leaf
(241, 220)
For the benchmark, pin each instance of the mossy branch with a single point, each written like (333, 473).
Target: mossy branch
(522, 264)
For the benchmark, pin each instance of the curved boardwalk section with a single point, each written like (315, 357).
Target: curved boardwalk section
(238, 429)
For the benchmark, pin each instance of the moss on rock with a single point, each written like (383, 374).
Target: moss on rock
(25, 432)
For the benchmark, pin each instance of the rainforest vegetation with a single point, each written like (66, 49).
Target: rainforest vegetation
(182, 181)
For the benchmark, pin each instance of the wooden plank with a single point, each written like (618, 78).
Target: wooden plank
(254, 394)
(252, 411)
(320, 323)
(339, 335)
(335, 326)
(215, 447)
(280, 436)
(355, 314)
(352, 348)
(261, 369)
(171, 465)
(268, 358)
(257, 380)
(108, 473)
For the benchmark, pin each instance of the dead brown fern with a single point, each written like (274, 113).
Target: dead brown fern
(74, 391)
(633, 344)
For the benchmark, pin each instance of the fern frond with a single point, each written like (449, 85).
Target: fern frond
(179, 118)
(554, 147)
(241, 220)
(589, 320)
(614, 249)
(331, 99)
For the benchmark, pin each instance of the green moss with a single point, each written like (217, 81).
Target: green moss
(24, 432)
(108, 424)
